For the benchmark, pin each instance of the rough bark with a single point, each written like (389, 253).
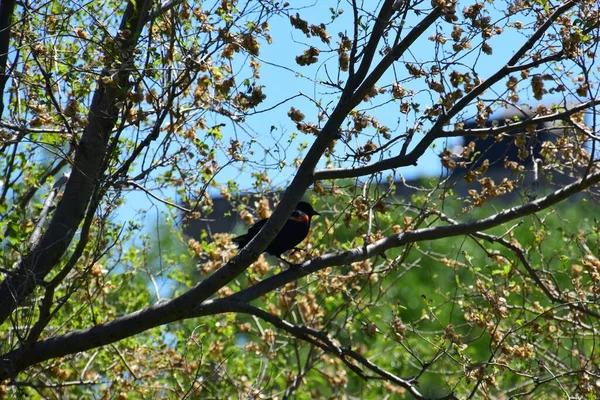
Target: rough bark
(7, 8)
(85, 176)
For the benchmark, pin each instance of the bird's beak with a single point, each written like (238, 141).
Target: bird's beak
(316, 213)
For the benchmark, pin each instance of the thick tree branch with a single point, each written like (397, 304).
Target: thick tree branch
(89, 158)
(7, 8)
(430, 233)
(305, 175)
(160, 314)
(302, 180)
(436, 130)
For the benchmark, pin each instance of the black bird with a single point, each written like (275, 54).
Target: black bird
(293, 232)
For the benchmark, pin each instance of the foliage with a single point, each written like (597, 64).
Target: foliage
(121, 123)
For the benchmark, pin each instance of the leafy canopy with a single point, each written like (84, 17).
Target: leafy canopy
(124, 124)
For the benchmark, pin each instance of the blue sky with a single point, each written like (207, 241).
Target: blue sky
(284, 79)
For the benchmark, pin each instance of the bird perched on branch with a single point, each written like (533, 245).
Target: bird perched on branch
(293, 232)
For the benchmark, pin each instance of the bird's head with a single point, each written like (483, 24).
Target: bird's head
(306, 208)
(303, 212)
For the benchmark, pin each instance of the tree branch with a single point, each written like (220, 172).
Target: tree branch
(7, 8)
(177, 309)
(430, 233)
(520, 253)
(436, 130)
(41, 221)
(89, 158)
(381, 23)
(303, 178)
(523, 123)
(322, 340)
(394, 54)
